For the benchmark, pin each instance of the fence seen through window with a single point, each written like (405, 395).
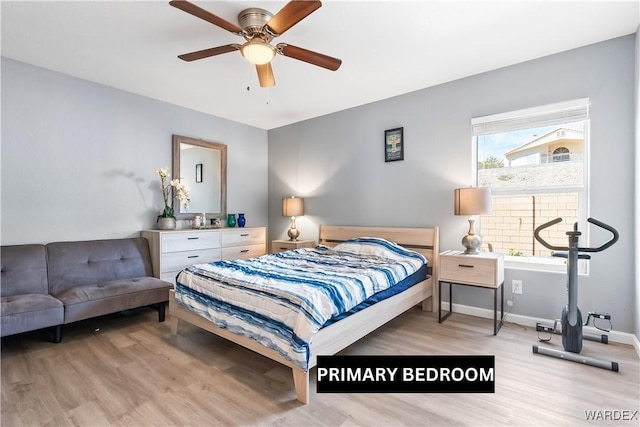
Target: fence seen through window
(509, 228)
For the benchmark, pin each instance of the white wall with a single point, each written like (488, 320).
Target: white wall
(79, 158)
(336, 163)
(637, 189)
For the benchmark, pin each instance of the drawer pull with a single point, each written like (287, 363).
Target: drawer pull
(465, 265)
(244, 235)
(244, 250)
(192, 238)
(193, 256)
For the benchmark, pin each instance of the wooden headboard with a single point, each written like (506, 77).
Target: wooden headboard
(422, 240)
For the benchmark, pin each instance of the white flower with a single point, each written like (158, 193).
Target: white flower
(163, 173)
(182, 192)
(179, 190)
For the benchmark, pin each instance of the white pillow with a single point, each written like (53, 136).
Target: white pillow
(376, 246)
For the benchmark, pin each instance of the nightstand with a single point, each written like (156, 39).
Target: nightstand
(485, 270)
(287, 245)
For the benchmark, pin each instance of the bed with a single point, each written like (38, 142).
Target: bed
(339, 334)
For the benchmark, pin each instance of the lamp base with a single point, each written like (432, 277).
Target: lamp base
(293, 234)
(472, 242)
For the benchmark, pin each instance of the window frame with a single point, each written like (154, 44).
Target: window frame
(545, 115)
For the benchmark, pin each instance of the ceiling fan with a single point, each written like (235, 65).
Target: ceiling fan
(259, 27)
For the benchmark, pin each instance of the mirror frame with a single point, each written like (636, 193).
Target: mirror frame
(177, 140)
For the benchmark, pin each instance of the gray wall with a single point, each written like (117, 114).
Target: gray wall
(336, 163)
(79, 161)
(79, 158)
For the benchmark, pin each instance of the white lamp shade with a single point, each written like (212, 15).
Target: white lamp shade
(472, 201)
(292, 206)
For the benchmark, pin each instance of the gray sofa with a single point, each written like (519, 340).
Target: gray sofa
(59, 283)
(24, 291)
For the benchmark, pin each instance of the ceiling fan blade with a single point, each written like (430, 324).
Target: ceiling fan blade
(292, 13)
(309, 56)
(265, 75)
(198, 12)
(192, 56)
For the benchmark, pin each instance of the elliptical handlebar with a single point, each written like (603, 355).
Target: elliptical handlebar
(600, 224)
(607, 227)
(546, 244)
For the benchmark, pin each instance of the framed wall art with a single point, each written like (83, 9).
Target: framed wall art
(393, 145)
(198, 172)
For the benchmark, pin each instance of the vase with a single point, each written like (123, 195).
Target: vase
(166, 223)
(231, 220)
(241, 220)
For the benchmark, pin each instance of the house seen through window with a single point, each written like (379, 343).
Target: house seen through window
(534, 161)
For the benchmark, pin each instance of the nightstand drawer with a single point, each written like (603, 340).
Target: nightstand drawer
(485, 269)
(481, 272)
(288, 245)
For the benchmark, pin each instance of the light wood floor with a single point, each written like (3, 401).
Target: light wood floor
(127, 370)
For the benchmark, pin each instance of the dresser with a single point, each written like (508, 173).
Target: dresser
(174, 250)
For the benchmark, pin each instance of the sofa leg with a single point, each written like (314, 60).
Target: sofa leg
(161, 311)
(57, 334)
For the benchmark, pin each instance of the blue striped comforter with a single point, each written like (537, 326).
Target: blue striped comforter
(282, 300)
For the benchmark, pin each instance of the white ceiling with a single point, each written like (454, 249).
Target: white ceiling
(387, 47)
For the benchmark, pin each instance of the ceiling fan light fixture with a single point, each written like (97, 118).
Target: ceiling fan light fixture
(259, 27)
(257, 51)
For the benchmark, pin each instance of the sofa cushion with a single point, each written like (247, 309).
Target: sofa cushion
(83, 302)
(87, 263)
(24, 270)
(28, 312)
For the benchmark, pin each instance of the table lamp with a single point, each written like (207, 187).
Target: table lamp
(293, 207)
(472, 201)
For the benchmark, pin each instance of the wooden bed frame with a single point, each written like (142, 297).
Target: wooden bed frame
(340, 335)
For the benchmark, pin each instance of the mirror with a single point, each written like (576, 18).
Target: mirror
(202, 167)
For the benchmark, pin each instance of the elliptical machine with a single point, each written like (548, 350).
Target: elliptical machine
(571, 317)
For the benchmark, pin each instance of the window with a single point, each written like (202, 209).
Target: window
(535, 162)
(561, 154)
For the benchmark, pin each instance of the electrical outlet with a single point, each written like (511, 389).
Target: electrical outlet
(516, 286)
(509, 303)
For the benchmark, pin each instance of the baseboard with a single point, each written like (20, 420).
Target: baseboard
(614, 336)
(636, 344)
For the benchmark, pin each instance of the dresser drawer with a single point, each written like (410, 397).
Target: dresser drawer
(241, 237)
(244, 251)
(470, 270)
(178, 260)
(190, 241)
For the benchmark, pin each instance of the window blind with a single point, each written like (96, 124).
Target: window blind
(546, 115)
